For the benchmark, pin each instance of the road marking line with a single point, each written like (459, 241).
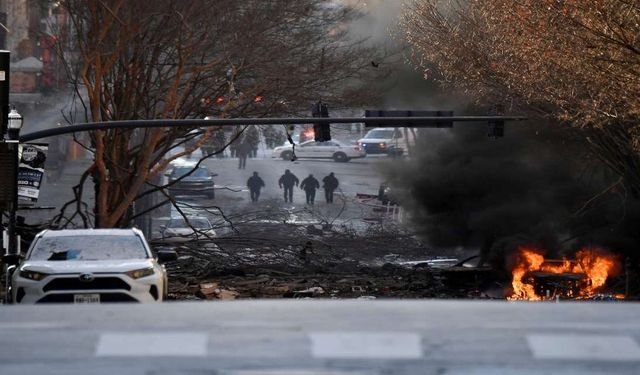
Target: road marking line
(300, 372)
(366, 345)
(584, 347)
(152, 344)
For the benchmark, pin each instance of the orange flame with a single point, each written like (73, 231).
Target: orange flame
(591, 268)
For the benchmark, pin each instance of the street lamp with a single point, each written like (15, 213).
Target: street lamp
(14, 124)
(12, 257)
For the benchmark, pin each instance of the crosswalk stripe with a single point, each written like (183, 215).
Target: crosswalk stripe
(584, 347)
(366, 345)
(152, 344)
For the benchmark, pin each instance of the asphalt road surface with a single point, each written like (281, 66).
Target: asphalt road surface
(356, 176)
(232, 195)
(321, 338)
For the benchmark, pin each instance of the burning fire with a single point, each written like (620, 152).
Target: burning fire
(307, 134)
(535, 278)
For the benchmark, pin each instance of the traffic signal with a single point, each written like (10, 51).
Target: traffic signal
(322, 132)
(496, 127)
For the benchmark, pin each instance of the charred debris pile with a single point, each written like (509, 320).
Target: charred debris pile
(290, 261)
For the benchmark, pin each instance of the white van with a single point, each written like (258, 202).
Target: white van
(388, 141)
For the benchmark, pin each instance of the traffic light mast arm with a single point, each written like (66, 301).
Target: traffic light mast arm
(397, 122)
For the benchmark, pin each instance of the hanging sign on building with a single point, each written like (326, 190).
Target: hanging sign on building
(31, 170)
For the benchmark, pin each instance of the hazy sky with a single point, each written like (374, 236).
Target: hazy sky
(381, 20)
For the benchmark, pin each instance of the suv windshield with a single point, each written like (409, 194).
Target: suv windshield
(379, 134)
(94, 247)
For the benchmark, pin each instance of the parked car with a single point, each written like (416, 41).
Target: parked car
(198, 182)
(320, 150)
(179, 230)
(90, 266)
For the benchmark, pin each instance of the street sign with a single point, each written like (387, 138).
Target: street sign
(31, 170)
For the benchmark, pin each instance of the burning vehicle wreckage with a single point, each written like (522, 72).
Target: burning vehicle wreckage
(589, 276)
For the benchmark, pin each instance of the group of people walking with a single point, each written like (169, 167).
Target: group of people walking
(288, 180)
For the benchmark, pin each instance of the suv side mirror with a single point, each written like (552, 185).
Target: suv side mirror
(213, 174)
(167, 256)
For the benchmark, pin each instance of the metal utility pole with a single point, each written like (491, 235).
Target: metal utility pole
(5, 57)
(10, 125)
(4, 111)
(3, 28)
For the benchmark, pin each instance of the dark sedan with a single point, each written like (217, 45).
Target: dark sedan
(190, 181)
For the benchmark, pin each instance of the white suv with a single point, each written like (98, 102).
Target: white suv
(90, 266)
(383, 141)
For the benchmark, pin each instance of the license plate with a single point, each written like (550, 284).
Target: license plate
(86, 298)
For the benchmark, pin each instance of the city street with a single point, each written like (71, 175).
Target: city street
(356, 176)
(322, 338)
(480, 212)
(232, 195)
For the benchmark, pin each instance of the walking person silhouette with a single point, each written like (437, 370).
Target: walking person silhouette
(242, 151)
(255, 183)
(309, 185)
(330, 184)
(287, 180)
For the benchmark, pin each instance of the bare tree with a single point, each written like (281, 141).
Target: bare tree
(183, 59)
(576, 60)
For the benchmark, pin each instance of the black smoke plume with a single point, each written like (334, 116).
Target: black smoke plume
(534, 186)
